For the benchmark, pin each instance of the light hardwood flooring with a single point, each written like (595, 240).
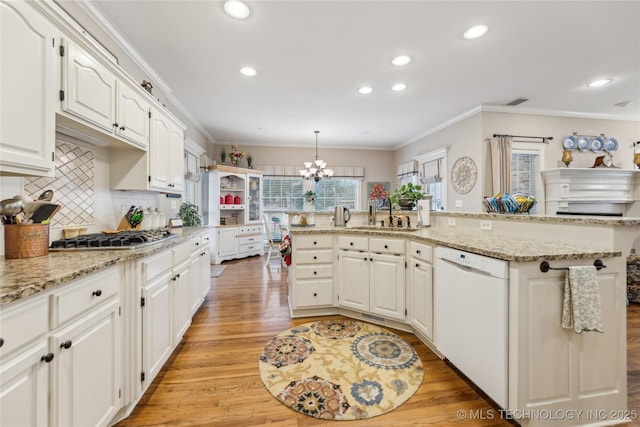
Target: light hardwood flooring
(212, 377)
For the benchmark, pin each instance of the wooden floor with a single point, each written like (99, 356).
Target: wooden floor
(212, 378)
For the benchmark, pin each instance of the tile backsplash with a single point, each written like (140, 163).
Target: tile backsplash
(73, 185)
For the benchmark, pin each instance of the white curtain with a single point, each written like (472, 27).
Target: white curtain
(501, 164)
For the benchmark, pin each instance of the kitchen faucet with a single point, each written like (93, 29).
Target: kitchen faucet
(390, 212)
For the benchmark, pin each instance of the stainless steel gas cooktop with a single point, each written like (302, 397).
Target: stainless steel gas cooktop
(121, 240)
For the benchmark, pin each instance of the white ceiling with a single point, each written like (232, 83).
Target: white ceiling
(311, 56)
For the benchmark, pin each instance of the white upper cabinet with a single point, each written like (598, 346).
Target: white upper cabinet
(28, 85)
(89, 88)
(166, 154)
(133, 116)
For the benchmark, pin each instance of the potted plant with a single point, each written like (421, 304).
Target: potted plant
(310, 196)
(249, 161)
(188, 213)
(223, 155)
(406, 196)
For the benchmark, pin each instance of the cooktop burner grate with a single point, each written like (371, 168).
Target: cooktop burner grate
(120, 240)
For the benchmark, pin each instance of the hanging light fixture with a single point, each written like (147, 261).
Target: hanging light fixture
(317, 169)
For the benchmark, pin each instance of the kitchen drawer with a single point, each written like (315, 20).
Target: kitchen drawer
(249, 248)
(314, 257)
(250, 230)
(249, 240)
(421, 251)
(313, 271)
(386, 246)
(182, 252)
(353, 242)
(314, 293)
(156, 265)
(23, 322)
(84, 294)
(313, 241)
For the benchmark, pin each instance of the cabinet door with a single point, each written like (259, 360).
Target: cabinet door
(387, 286)
(181, 292)
(205, 267)
(156, 325)
(24, 388)
(159, 151)
(133, 116)
(195, 288)
(254, 201)
(27, 104)
(421, 297)
(227, 241)
(87, 369)
(353, 279)
(90, 88)
(176, 168)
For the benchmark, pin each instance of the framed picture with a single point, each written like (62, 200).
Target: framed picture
(378, 191)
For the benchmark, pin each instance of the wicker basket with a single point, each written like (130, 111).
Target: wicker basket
(26, 240)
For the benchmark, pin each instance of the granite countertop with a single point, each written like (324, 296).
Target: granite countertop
(498, 246)
(20, 278)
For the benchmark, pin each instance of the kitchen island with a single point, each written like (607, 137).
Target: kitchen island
(386, 276)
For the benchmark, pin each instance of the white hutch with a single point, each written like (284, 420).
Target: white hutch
(235, 212)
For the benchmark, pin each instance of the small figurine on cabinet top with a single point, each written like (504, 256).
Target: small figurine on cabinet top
(235, 155)
(147, 85)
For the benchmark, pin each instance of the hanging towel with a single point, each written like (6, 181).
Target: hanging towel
(581, 308)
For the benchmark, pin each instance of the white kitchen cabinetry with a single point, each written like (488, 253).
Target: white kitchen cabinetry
(29, 84)
(235, 209)
(165, 154)
(311, 272)
(371, 275)
(133, 116)
(65, 368)
(181, 290)
(420, 289)
(200, 270)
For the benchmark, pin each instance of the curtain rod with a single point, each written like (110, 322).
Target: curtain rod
(545, 139)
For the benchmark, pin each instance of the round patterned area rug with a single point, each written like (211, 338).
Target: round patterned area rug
(340, 369)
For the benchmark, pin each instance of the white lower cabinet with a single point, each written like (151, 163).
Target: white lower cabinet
(420, 288)
(311, 272)
(156, 326)
(371, 275)
(181, 291)
(69, 372)
(86, 370)
(200, 271)
(232, 242)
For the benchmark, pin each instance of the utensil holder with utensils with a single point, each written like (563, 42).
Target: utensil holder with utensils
(26, 240)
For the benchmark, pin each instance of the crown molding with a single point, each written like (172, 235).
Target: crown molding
(555, 113)
(98, 16)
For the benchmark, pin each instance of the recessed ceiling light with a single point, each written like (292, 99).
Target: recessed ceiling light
(262, 129)
(248, 71)
(236, 9)
(598, 83)
(475, 32)
(365, 90)
(401, 60)
(398, 87)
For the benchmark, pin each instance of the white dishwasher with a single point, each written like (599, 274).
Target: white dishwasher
(471, 317)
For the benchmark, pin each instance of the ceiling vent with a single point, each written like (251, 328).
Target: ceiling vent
(517, 101)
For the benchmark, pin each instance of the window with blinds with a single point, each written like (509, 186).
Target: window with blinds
(283, 193)
(525, 172)
(337, 192)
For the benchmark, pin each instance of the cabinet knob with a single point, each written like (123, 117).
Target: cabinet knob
(315, 243)
(315, 294)
(123, 128)
(418, 251)
(96, 293)
(1, 342)
(365, 258)
(417, 265)
(351, 243)
(115, 125)
(47, 357)
(315, 272)
(66, 344)
(386, 246)
(315, 257)
(203, 254)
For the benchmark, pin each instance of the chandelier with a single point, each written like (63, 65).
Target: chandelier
(317, 169)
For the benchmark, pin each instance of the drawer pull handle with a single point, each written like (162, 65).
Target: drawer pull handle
(203, 254)
(315, 257)
(66, 344)
(351, 243)
(315, 294)
(315, 272)
(123, 128)
(365, 258)
(418, 251)
(96, 293)
(417, 265)
(47, 357)
(315, 243)
(386, 246)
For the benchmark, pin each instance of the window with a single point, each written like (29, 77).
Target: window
(283, 193)
(525, 172)
(433, 176)
(337, 192)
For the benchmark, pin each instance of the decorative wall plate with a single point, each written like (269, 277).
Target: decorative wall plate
(464, 175)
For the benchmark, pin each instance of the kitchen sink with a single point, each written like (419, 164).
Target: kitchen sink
(380, 228)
